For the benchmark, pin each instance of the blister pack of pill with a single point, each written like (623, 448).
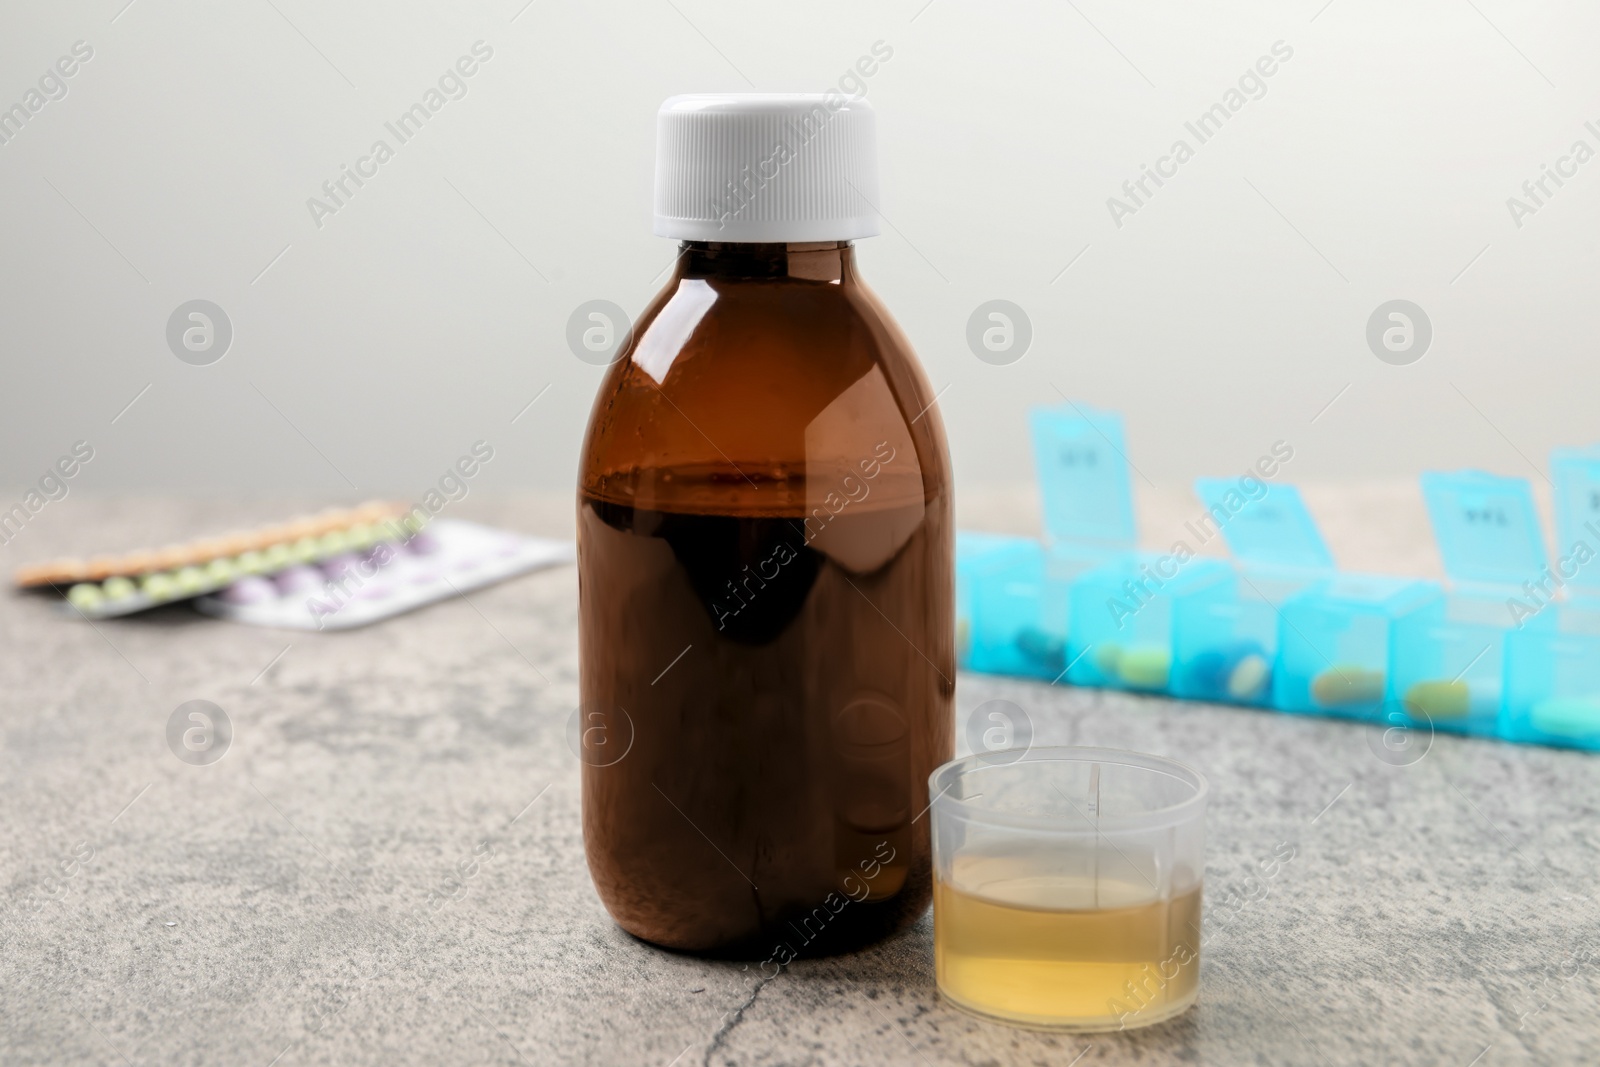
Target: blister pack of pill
(106, 586)
(445, 559)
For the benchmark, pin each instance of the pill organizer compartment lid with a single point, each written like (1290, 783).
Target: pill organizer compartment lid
(1264, 525)
(1082, 466)
(1576, 472)
(1486, 526)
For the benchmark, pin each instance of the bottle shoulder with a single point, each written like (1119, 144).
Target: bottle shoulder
(781, 376)
(823, 330)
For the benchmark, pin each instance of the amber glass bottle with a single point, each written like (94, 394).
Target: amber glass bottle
(766, 635)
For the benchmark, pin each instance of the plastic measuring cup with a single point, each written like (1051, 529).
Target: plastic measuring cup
(1067, 886)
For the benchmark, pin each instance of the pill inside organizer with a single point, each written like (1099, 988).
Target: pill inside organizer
(1442, 700)
(1135, 666)
(1239, 671)
(1347, 685)
(1571, 718)
(1046, 650)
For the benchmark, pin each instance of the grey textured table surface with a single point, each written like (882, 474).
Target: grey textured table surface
(386, 867)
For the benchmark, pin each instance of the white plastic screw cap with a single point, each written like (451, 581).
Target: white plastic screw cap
(766, 167)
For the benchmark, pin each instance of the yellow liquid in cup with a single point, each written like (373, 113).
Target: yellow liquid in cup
(1064, 951)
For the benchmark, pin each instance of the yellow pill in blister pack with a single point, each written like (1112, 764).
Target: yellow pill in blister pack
(189, 581)
(159, 586)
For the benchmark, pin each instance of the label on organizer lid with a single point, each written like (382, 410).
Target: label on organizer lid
(1262, 523)
(1486, 526)
(1577, 483)
(1083, 474)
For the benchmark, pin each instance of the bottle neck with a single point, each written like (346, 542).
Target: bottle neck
(813, 261)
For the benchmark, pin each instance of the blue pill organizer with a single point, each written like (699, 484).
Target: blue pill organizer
(1017, 618)
(1447, 666)
(1020, 592)
(1334, 640)
(974, 553)
(1123, 621)
(1508, 646)
(1226, 640)
(1552, 673)
(1117, 601)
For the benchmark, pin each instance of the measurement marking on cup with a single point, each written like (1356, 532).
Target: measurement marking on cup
(674, 662)
(1095, 823)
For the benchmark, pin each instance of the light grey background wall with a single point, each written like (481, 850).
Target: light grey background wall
(371, 346)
